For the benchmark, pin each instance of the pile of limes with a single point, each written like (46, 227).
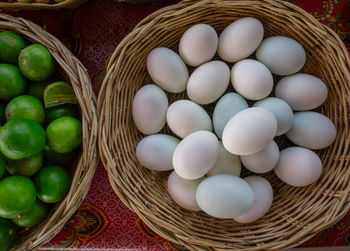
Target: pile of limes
(39, 134)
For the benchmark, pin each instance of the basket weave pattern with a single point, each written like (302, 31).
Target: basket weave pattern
(75, 73)
(67, 4)
(296, 213)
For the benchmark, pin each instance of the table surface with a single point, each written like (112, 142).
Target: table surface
(92, 32)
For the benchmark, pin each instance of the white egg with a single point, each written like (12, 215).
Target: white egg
(149, 109)
(227, 106)
(167, 69)
(208, 82)
(155, 152)
(251, 79)
(183, 192)
(249, 131)
(263, 196)
(312, 130)
(298, 166)
(302, 91)
(282, 112)
(263, 161)
(195, 155)
(240, 39)
(226, 163)
(185, 117)
(224, 196)
(198, 44)
(282, 55)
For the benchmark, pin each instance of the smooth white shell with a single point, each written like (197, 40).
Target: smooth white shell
(149, 109)
(198, 44)
(249, 131)
(312, 130)
(226, 163)
(298, 166)
(227, 106)
(263, 196)
(224, 196)
(240, 39)
(167, 69)
(208, 82)
(155, 152)
(302, 91)
(195, 155)
(185, 117)
(282, 112)
(282, 55)
(183, 192)
(263, 161)
(251, 79)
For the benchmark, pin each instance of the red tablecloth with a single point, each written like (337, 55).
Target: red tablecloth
(92, 32)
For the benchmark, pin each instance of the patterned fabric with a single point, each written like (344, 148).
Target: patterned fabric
(92, 32)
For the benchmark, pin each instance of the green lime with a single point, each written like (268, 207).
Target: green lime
(57, 112)
(36, 62)
(17, 196)
(34, 216)
(10, 46)
(36, 89)
(27, 166)
(25, 1)
(8, 234)
(59, 93)
(64, 134)
(51, 157)
(52, 183)
(21, 138)
(25, 106)
(12, 82)
(2, 114)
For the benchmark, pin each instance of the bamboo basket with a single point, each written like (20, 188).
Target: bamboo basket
(67, 4)
(73, 72)
(296, 214)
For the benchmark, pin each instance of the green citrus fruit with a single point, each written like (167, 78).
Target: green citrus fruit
(25, 1)
(27, 166)
(2, 114)
(25, 106)
(59, 93)
(34, 216)
(12, 82)
(57, 112)
(8, 234)
(36, 62)
(17, 196)
(51, 157)
(10, 46)
(36, 89)
(64, 134)
(52, 183)
(21, 138)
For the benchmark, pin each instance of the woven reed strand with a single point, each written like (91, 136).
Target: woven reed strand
(15, 6)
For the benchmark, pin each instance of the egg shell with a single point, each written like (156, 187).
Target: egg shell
(195, 155)
(227, 106)
(198, 44)
(249, 131)
(149, 109)
(282, 55)
(185, 117)
(167, 70)
(226, 163)
(312, 130)
(263, 197)
(282, 111)
(224, 196)
(298, 166)
(263, 161)
(155, 152)
(251, 79)
(302, 91)
(240, 39)
(208, 82)
(183, 192)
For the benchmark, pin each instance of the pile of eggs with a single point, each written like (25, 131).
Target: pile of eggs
(206, 166)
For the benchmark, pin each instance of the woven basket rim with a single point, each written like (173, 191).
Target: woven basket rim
(67, 4)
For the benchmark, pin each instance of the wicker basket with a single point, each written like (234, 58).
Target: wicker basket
(296, 213)
(75, 73)
(67, 4)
